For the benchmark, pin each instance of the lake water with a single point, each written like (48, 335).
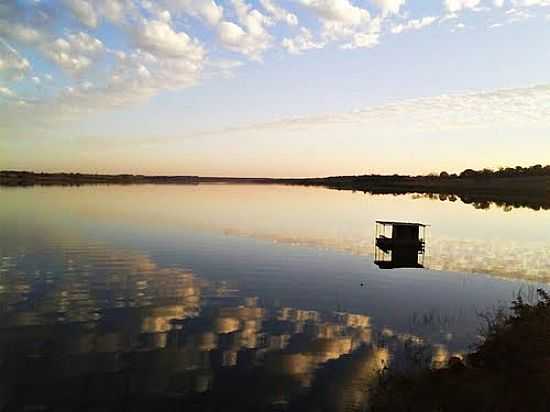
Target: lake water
(238, 297)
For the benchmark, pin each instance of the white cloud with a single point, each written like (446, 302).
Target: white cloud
(19, 32)
(457, 5)
(303, 41)
(208, 10)
(278, 13)
(251, 41)
(252, 19)
(6, 92)
(74, 52)
(507, 107)
(368, 38)
(89, 12)
(84, 43)
(12, 65)
(517, 15)
(136, 76)
(448, 16)
(161, 51)
(340, 11)
(339, 19)
(415, 24)
(234, 38)
(231, 34)
(390, 6)
(458, 27)
(159, 38)
(363, 40)
(114, 10)
(249, 38)
(84, 11)
(529, 3)
(141, 73)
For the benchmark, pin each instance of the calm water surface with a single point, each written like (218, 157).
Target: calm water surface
(236, 297)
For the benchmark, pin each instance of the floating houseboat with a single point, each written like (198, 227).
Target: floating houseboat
(400, 245)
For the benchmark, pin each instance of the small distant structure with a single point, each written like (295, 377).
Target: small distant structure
(400, 245)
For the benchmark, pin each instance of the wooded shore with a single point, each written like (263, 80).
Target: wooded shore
(519, 187)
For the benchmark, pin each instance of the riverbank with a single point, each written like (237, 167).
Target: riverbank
(521, 191)
(23, 178)
(508, 371)
(481, 190)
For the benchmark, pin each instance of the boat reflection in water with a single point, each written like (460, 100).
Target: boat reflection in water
(400, 245)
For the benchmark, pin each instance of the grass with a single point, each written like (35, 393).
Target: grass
(508, 371)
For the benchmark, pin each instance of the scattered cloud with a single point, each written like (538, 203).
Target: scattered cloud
(278, 13)
(303, 41)
(207, 10)
(367, 38)
(390, 6)
(90, 12)
(529, 3)
(12, 65)
(341, 11)
(517, 15)
(6, 92)
(252, 39)
(520, 106)
(458, 5)
(415, 24)
(341, 20)
(84, 11)
(74, 52)
(458, 27)
(173, 44)
(159, 38)
(19, 32)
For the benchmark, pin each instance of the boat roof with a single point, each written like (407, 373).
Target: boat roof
(389, 223)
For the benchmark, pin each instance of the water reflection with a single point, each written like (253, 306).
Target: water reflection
(514, 244)
(92, 327)
(507, 203)
(98, 312)
(504, 258)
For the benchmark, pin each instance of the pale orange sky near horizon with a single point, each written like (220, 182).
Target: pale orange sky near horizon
(280, 150)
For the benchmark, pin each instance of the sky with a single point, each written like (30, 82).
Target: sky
(273, 88)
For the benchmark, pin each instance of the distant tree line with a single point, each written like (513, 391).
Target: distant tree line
(518, 171)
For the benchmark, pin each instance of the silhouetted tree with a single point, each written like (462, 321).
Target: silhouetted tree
(468, 173)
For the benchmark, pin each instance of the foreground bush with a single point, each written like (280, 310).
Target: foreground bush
(509, 370)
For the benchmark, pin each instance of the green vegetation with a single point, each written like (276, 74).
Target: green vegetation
(508, 371)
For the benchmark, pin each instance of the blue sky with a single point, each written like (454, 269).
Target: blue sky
(272, 87)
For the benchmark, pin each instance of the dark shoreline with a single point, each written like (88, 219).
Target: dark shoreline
(480, 191)
(507, 192)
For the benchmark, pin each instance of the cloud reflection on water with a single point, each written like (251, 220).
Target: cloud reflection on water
(87, 324)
